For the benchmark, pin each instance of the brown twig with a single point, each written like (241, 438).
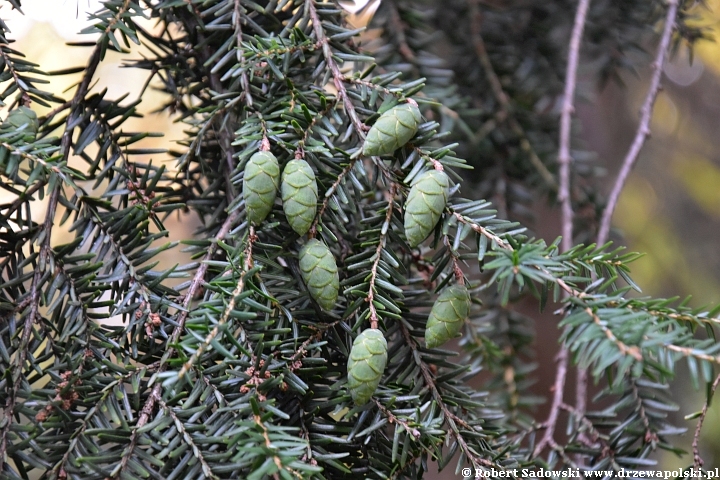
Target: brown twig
(53, 200)
(564, 158)
(313, 228)
(643, 130)
(505, 113)
(398, 28)
(335, 71)
(697, 460)
(269, 445)
(393, 419)
(338, 81)
(390, 197)
(649, 434)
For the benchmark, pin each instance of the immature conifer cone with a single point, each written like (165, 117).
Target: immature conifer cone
(424, 205)
(366, 364)
(22, 116)
(392, 130)
(299, 195)
(260, 185)
(320, 273)
(447, 316)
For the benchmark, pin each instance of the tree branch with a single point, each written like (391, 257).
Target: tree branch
(45, 247)
(156, 392)
(197, 453)
(390, 197)
(228, 309)
(643, 130)
(451, 419)
(568, 108)
(565, 199)
(697, 460)
(244, 80)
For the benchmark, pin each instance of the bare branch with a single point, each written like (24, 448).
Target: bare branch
(565, 199)
(643, 130)
(564, 158)
(697, 460)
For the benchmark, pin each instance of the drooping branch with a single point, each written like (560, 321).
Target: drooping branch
(156, 392)
(697, 460)
(643, 130)
(564, 196)
(451, 419)
(568, 108)
(46, 234)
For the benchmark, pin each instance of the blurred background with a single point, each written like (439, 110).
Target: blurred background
(670, 208)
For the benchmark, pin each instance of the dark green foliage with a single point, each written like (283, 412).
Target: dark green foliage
(22, 119)
(249, 356)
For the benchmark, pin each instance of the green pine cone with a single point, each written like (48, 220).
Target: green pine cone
(424, 205)
(366, 365)
(22, 116)
(260, 186)
(299, 195)
(447, 316)
(392, 130)
(320, 273)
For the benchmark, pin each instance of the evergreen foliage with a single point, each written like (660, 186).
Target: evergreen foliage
(240, 363)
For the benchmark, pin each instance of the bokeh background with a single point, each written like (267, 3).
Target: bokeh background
(670, 208)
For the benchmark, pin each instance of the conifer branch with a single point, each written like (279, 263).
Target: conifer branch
(197, 453)
(244, 80)
(392, 418)
(53, 199)
(390, 197)
(450, 418)
(248, 265)
(335, 70)
(25, 97)
(156, 392)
